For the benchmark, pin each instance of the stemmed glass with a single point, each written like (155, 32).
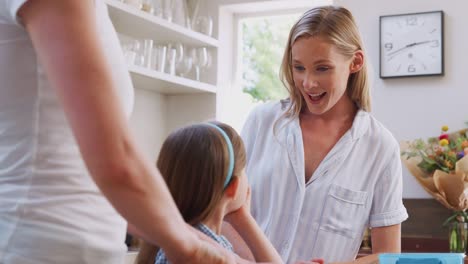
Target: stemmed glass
(183, 61)
(184, 67)
(209, 61)
(200, 60)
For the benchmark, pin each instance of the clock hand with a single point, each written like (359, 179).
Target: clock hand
(407, 47)
(398, 50)
(422, 42)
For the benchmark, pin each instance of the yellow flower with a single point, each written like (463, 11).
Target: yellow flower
(443, 142)
(445, 128)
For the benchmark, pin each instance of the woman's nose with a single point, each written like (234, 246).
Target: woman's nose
(309, 83)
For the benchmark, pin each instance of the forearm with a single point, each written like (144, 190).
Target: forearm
(139, 194)
(261, 247)
(237, 242)
(384, 240)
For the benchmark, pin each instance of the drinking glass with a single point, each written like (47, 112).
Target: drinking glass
(167, 9)
(204, 25)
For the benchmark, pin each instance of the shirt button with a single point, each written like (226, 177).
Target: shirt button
(286, 246)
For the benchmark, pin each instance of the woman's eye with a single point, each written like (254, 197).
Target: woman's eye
(322, 68)
(299, 68)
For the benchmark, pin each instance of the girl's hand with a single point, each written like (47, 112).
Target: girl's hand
(242, 213)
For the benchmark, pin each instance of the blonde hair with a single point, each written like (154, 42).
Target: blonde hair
(194, 162)
(336, 25)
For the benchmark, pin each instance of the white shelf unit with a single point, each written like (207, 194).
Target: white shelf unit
(164, 83)
(133, 22)
(138, 24)
(164, 102)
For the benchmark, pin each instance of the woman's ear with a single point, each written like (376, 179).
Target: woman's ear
(233, 186)
(358, 62)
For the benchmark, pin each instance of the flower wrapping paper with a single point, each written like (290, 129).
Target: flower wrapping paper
(450, 189)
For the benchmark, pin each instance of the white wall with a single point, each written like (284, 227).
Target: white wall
(156, 115)
(417, 107)
(148, 121)
(188, 109)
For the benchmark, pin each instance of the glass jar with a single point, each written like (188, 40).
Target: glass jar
(458, 237)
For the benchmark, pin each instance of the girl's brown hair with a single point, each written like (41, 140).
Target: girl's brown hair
(336, 25)
(194, 162)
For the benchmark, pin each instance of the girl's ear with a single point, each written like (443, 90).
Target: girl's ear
(233, 186)
(358, 61)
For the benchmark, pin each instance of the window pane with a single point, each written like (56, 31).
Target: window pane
(263, 43)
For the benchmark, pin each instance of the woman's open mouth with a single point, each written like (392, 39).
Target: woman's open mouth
(316, 97)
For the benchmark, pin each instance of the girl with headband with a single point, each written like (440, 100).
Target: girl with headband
(203, 166)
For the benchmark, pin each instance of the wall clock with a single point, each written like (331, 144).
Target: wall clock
(412, 45)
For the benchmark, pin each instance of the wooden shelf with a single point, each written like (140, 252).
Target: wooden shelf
(165, 83)
(133, 22)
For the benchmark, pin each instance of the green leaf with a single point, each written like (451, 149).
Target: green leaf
(450, 219)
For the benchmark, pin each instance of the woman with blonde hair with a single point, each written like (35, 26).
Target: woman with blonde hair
(322, 168)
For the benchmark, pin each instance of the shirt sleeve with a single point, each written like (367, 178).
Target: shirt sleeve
(387, 205)
(9, 10)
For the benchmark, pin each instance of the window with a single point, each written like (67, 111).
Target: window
(262, 44)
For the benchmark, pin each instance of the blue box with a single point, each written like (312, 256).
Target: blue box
(422, 258)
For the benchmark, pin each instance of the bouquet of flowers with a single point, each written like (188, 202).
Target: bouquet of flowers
(440, 165)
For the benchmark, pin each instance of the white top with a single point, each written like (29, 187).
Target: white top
(50, 209)
(358, 184)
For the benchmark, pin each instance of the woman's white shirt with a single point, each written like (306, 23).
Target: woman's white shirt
(358, 184)
(51, 211)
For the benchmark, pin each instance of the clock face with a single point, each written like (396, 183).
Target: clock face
(411, 45)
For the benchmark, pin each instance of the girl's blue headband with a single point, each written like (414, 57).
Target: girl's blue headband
(230, 150)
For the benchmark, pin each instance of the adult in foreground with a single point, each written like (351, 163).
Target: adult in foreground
(70, 171)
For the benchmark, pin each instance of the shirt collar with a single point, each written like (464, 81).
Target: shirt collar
(359, 127)
(207, 231)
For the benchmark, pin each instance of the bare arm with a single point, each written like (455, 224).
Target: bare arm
(251, 235)
(240, 247)
(65, 38)
(385, 239)
(259, 245)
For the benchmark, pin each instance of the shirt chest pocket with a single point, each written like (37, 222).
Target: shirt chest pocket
(344, 212)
